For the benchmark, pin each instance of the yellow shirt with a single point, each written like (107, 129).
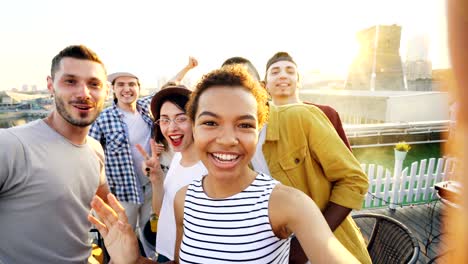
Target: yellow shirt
(304, 151)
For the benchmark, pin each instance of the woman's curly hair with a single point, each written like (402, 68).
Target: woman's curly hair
(231, 76)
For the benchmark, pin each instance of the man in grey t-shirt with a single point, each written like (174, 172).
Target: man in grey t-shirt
(51, 169)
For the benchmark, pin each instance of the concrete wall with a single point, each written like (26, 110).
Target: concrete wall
(360, 107)
(352, 109)
(422, 107)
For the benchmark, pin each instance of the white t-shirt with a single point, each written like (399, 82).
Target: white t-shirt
(138, 133)
(258, 160)
(176, 178)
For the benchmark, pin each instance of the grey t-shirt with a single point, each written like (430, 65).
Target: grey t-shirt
(46, 186)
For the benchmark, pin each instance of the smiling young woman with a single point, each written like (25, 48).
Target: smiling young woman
(232, 214)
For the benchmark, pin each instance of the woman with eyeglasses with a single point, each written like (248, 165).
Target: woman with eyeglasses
(174, 127)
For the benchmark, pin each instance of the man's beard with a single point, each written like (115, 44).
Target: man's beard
(84, 121)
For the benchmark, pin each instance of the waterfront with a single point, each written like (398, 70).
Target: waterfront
(11, 119)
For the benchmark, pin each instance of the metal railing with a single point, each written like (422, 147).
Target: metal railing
(386, 134)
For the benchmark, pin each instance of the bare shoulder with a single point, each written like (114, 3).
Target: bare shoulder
(285, 206)
(289, 204)
(179, 202)
(282, 197)
(180, 197)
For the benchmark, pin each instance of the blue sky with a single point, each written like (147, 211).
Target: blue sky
(153, 39)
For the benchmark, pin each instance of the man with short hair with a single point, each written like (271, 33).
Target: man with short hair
(282, 83)
(245, 62)
(50, 168)
(119, 128)
(299, 148)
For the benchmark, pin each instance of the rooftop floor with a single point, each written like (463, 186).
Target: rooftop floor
(424, 221)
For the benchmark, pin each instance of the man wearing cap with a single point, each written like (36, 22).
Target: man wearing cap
(119, 128)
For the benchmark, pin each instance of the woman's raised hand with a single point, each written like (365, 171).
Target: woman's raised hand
(151, 165)
(119, 237)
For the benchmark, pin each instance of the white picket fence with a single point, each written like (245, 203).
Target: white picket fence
(387, 189)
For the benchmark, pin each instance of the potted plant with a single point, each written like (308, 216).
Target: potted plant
(401, 149)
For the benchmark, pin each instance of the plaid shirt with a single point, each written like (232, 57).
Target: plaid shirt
(111, 131)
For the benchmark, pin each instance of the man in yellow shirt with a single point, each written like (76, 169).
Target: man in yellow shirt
(300, 148)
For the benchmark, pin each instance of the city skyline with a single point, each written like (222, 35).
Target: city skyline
(154, 40)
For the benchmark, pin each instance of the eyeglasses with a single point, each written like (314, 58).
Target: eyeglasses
(167, 121)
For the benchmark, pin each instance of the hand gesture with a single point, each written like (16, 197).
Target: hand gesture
(151, 166)
(192, 63)
(119, 237)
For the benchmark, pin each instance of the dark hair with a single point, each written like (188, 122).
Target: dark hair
(77, 52)
(241, 60)
(279, 56)
(232, 76)
(177, 99)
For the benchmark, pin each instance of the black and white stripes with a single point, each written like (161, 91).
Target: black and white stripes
(235, 229)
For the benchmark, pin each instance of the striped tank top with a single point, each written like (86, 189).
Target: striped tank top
(231, 230)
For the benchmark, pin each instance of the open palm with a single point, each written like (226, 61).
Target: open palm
(120, 240)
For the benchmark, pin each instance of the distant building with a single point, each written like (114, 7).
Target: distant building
(378, 64)
(6, 100)
(422, 85)
(418, 48)
(418, 67)
(34, 88)
(25, 88)
(373, 107)
(417, 70)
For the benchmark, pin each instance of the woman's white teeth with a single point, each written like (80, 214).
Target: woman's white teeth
(225, 157)
(175, 137)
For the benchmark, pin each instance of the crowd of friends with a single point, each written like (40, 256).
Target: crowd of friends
(237, 169)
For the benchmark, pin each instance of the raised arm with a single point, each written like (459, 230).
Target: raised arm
(192, 63)
(305, 220)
